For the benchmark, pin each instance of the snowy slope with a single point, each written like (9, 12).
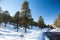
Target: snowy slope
(10, 34)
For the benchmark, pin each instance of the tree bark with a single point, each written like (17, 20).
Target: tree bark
(5, 24)
(25, 29)
(17, 26)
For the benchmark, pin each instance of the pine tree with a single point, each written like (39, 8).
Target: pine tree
(25, 10)
(57, 21)
(25, 14)
(0, 17)
(41, 23)
(0, 14)
(31, 22)
(6, 17)
(24, 22)
(17, 20)
(11, 20)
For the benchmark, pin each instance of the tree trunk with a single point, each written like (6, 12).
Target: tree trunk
(31, 27)
(25, 30)
(5, 24)
(17, 27)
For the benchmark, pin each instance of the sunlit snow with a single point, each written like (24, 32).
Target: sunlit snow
(9, 33)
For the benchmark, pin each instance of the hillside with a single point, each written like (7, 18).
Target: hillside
(9, 33)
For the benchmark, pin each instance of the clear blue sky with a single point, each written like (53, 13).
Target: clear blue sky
(48, 9)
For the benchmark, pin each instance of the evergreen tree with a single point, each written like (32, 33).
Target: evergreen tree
(25, 14)
(24, 22)
(31, 22)
(25, 10)
(11, 20)
(57, 21)
(17, 20)
(35, 24)
(0, 14)
(0, 17)
(6, 17)
(41, 23)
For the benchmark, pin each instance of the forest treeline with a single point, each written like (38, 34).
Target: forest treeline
(20, 21)
(23, 19)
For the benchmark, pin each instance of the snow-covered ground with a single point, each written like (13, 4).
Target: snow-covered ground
(9, 33)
